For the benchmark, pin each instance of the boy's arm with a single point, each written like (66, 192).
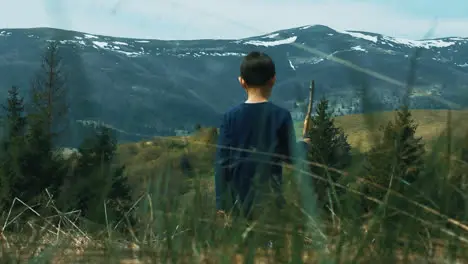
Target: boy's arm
(288, 139)
(222, 163)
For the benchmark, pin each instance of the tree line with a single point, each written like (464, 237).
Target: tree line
(33, 167)
(398, 170)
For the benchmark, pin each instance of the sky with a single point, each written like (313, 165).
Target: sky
(231, 19)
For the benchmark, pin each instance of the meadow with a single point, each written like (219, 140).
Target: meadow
(187, 231)
(368, 191)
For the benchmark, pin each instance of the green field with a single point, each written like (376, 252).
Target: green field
(176, 220)
(362, 130)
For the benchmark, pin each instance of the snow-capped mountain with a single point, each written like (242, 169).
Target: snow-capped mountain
(147, 87)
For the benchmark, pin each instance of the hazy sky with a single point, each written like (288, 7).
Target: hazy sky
(195, 19)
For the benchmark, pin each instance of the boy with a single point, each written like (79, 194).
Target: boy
(255, 138)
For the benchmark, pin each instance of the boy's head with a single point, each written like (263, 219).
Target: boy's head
(257, 71)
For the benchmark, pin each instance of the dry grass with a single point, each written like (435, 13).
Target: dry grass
(161, 156)
(362, 130)
(66, 251)
(145, 158)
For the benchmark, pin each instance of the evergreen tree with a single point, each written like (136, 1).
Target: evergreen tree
(97, 180)
(12, 147)
(397, 160)
(49, 94)
(15, 115)
(456, 205)
(328, 146)
(464, 150)
(48, 109)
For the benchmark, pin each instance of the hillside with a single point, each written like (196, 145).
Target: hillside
(162, 155)
(362, 129)
(144, 88)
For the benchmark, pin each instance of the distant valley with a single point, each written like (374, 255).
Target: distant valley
(153, 87)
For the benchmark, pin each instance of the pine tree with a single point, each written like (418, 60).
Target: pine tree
(12, 146)
(120, 195)
(397, 160)
(15, 118)
(328, 146)
(48, 108)
(464, 150)
(98, 181)
(49, 102)
(457, 204)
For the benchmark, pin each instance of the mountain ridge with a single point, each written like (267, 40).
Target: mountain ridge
(315, 26)
(147, 86)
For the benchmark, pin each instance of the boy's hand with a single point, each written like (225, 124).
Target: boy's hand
(220, 213)
(303, 144)
(222, 218)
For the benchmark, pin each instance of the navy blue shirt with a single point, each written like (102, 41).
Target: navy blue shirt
(254, 140)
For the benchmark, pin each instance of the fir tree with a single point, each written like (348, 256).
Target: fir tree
(464, 150)
(328, 146)
(98, 181)
(48, 109)
(12, 146)
(397, 160)
(15, 115)
(49, 94)
(456, 205)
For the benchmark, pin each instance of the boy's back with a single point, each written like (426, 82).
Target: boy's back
(255, 138)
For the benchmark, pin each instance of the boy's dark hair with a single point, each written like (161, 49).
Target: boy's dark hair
(257, 69)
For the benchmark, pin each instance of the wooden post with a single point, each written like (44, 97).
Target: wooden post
(309, 110)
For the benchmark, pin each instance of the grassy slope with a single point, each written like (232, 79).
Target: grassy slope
(362, 130)
(147, 160)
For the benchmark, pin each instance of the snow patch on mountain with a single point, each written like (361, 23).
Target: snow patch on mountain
(272, 36)
(107, 46)
(458, 39)
(202, 53)
(120, 43)
(463, 65)
(81, 42)
(291, 65)
(358, 48)
(4, 33)
(89, 36)
(100, 44)
(360, 35)
(426, 44)
(271, 43)
(132, 50)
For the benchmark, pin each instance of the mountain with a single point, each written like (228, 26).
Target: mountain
(154, 87)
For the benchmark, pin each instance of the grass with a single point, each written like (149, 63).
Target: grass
(176, 221)
(431, 123)
(145, 157)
